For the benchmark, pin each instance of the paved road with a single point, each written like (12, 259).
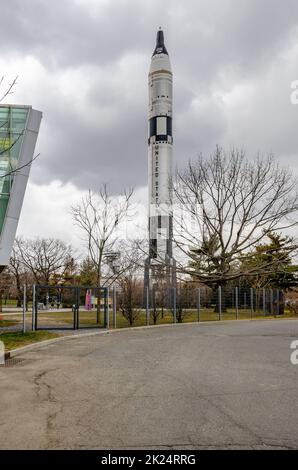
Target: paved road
(221, 385)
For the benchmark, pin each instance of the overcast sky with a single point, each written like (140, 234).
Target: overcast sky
(84, 64)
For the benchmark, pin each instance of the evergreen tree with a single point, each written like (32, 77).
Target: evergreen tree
(280, 273)
(88, 273)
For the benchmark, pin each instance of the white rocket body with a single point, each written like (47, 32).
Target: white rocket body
(160, 149)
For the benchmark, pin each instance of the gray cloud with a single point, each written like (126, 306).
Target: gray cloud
(232, 70)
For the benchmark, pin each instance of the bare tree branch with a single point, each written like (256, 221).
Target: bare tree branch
(9, 90)
(226, 206)
(12, 172)
(99, 216)
(8, 148)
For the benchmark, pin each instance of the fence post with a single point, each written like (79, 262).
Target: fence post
(236, 302)
(147, 306)
(33, 308)
(251, 302)
(24, 308)
(264, 301)
(114, 308)
(271, 301)
(199, 304)
(174, 304)
(277, 302)
(98, 305)
(105, 321)
(219, 302)
(77, 308)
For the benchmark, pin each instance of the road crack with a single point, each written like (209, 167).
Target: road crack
(46, 397)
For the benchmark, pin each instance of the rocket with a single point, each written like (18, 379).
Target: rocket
(160, 150)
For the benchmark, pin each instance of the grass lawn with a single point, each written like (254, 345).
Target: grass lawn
(64, 319)
(16, 340)
(206, 314)
(5, 323)
(9, 303)
(88, 319)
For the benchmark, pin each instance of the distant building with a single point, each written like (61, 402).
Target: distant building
(19, 126)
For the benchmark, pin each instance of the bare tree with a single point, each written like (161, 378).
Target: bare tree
(155, 311)
(19, 272)
(99, 216)
(47, 259)
(131, 297)
(160, 294)
(227, 205)
(5, 285)
(71, 269)
(130, 281)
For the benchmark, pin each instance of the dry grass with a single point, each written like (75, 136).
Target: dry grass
(64, 319)
(15, 340)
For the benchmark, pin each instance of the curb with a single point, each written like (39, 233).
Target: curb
(41, 344)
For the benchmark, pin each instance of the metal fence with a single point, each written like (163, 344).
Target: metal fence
(184, 304)
(230, 303)
(76, 307)
(70, 307)
(57, 308)
(13, 317)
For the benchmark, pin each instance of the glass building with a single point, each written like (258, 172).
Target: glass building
(19, 126)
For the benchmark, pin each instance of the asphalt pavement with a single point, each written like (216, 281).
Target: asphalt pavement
(228, 385)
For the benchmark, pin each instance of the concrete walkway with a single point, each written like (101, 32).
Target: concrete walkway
(223, 385)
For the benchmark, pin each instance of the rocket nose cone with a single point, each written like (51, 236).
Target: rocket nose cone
(160, 47)
(160, 40)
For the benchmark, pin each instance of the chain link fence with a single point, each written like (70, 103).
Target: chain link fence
(188, 304)
(73, 307)
(15, 314)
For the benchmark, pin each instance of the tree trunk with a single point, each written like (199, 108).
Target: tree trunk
(98, 306)
(154, 315)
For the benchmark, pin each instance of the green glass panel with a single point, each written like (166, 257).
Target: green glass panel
(12, 129)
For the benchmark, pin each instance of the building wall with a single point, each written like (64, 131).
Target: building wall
(19, 126)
